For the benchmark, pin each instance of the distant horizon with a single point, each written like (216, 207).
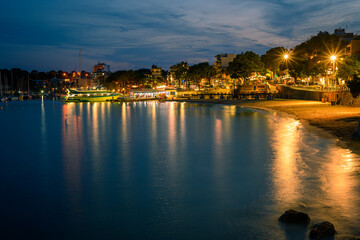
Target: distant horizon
(45, 35)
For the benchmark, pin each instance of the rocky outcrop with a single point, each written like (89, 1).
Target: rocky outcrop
(322, 230)
(346, 99)
(294, 217)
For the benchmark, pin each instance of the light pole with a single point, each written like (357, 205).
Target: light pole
(286, 58)
(333, 59)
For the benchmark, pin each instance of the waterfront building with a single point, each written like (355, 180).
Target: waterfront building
(101, 71)
(101, 67)
(353, 48)
(156, 71)
(344, 36)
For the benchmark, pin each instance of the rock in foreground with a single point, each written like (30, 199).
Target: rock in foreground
(322, 230)
(294, 217)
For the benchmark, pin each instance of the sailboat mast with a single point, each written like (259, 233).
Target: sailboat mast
(1, 88)
(12, 81)
(28, 82)
(6, 85)
(80, 68)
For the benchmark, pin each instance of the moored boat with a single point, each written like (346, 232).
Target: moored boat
(75, 95)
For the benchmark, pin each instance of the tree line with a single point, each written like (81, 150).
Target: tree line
(309, 59)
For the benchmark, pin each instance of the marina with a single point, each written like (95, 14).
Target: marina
(180, 120)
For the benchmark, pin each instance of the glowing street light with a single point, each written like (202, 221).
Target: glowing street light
(286, 59)
(333, 59)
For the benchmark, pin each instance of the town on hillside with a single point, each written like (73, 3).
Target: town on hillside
(325, 67)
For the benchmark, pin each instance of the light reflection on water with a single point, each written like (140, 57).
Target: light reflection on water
(319, 178)
(285, 141)
(293, 169)
(177, 170)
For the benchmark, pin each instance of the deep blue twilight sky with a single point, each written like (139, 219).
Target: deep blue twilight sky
(47, 34)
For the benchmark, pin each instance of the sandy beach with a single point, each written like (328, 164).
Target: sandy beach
(340, 121)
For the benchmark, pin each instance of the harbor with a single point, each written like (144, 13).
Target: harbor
(88, 154)
(180, 120)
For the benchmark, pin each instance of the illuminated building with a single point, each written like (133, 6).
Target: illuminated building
(101, 70)
(156, 71)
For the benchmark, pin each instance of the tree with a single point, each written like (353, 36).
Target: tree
(349, 67)
(179, 71)
(124, 78)
(274, 58)
(200, 71)
(298, 70)
(313, 55)
(354, 85)
(244, 65)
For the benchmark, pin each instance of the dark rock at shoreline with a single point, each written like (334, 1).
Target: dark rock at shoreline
(323, 230)
(294, 217)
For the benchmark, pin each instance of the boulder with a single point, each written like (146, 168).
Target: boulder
(294, 217)
(322, 230)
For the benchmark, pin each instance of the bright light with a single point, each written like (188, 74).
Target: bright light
(286, 56)
(333, 58)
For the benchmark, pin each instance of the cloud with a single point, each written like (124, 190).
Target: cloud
(140, 33)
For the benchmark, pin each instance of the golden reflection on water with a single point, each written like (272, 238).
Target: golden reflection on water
(218, 135)
(43, 130)
(285, 142)
(182, 122)
(153, 128)
(313, 172)
(302, 170)
(172, 130)
(103, 115)
(124, 124)
(229, 113)
(153, 122)
(218, 148)
(71, 145)
(94, 144)
(340, 182)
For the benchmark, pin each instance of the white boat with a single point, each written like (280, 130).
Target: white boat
(76, 95)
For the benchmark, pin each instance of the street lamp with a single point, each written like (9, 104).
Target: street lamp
(333, 59)
(286, 57)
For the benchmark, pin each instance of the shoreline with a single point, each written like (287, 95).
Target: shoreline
(341, 122)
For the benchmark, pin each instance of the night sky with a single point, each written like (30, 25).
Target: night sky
(47, 34)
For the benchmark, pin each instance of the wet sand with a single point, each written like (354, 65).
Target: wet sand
(340, 121)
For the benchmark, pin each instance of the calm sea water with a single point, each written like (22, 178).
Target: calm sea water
(167, 171)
